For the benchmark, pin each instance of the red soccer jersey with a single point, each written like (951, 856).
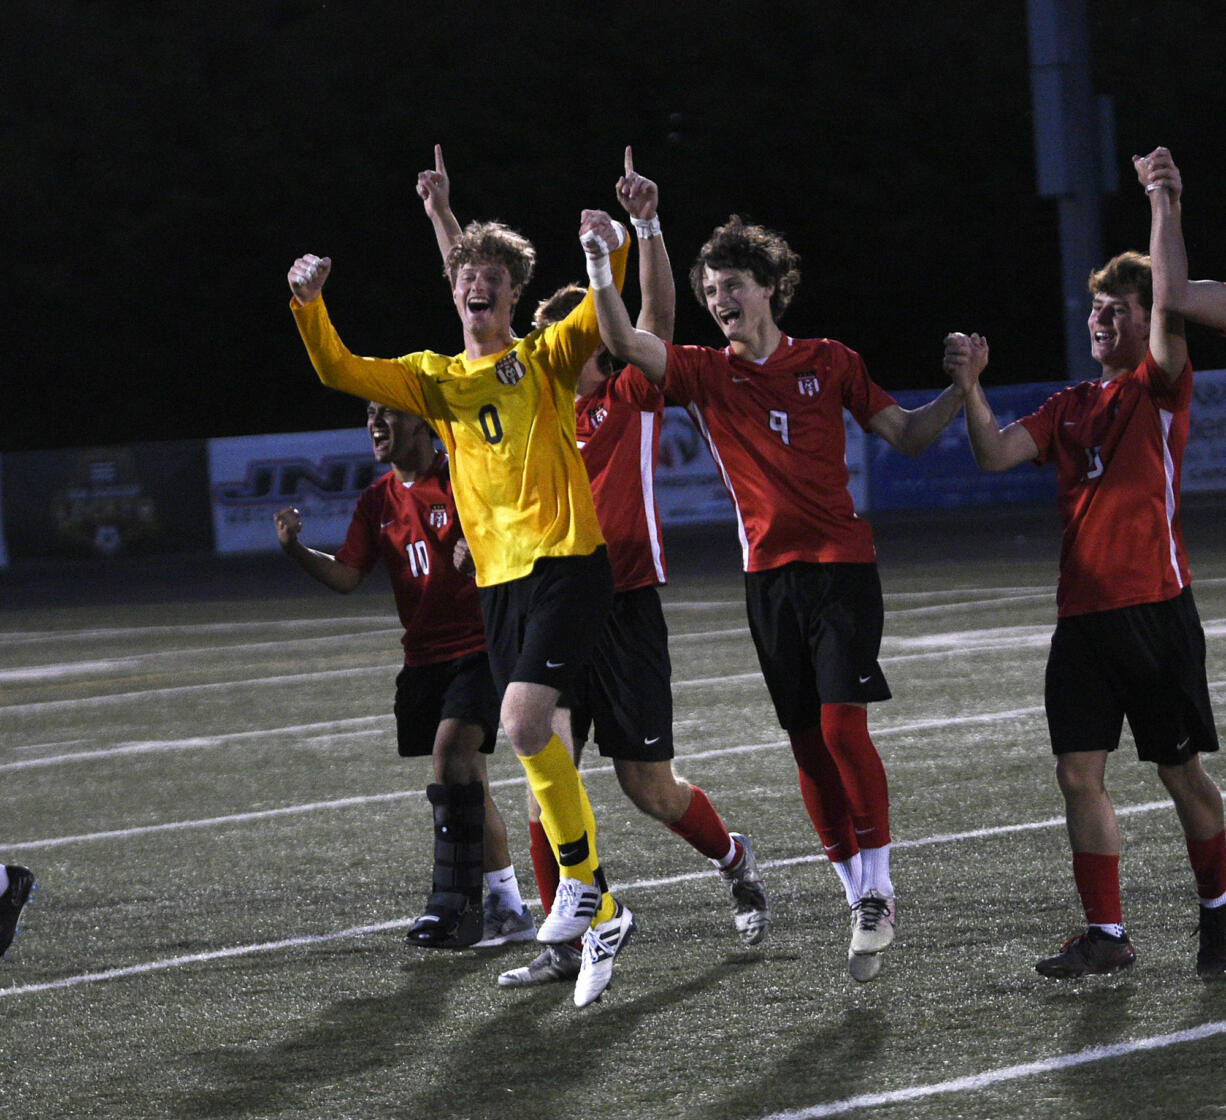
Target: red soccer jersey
(618, 429)
(1118, 449)
(414, 529)
(776, 432)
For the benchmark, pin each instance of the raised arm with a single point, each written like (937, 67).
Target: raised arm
(640, 197)
(434, 189)
(327, 569)
(638, 347)
(994, 449)
(1168, 262)
(912, 430)
(1203, 301)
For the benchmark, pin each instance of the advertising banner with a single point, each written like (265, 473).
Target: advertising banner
(321, 473)
(689, 490)
(1204, 462)
(140, 499)
(945, 475)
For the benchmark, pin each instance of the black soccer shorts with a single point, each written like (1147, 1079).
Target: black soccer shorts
(817, 629)
(625, 691)
(428, 694)
(541, 629)
(1144, 663)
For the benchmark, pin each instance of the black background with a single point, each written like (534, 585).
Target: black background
(164, 163)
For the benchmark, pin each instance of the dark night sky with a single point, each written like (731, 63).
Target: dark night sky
(163, 165)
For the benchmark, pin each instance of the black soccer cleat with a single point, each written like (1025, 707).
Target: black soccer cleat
(1211, 956)
(21, 885)
(1092, 953)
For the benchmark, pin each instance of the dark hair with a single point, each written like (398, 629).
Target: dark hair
(1128, 272)
(755, 249)
(492, 241)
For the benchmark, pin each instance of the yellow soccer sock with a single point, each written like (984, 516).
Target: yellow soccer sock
(566, 813)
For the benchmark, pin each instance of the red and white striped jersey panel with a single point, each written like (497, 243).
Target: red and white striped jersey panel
(1118, 447)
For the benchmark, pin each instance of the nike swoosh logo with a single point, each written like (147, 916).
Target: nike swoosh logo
(553, 664)
(865, 680)
(649, 742)
(738, 380)
(387, 524)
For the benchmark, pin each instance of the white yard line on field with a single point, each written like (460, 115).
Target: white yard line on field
(362, 931)
(950, 643)
(987, 1078)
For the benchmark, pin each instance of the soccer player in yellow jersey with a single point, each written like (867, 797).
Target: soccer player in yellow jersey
(504, 410)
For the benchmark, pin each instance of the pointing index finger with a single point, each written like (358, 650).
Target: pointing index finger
(629, 161)
(439, 166)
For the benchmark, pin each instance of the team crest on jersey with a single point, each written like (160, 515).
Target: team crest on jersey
(597, 415)
(510, 370)
(808, 384)
(438, 516)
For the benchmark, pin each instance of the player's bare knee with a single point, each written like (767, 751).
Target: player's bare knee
(1080, 776)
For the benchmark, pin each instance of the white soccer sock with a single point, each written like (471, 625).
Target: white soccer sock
(1213, 903)
(729, 859)
(1113, 929)
(849, 871)
(876, 874)
(4, 878)
(504, 888)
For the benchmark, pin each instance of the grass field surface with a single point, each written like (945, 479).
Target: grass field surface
(198, 761)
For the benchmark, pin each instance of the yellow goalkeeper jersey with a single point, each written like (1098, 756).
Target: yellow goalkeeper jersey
(506, 420)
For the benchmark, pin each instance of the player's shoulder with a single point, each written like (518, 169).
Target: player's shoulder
(829, 350)
(428, 364)
(695, 355)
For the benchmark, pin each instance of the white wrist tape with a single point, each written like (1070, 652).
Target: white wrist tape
(646, 228)
(599, 271)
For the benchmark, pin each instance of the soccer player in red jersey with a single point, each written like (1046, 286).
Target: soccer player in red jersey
(446, 704)
(771, 410)
(1128, 640)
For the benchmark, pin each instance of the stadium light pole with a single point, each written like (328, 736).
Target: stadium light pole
(1074, 138)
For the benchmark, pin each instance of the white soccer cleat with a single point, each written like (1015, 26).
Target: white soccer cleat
(574, 907)
(601, 944)
(872, 932)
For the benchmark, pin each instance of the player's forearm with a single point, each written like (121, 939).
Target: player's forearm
(446, 231)
(1168, 255)
(659, 290)
(323, 567)
(639, 348)
(381, 379)
(983, 430)
(925, 423)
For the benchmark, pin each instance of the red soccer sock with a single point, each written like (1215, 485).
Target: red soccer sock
(544, 863)
(1208, 858)
(821, 789)
(845, 730)
(702, 828)
(1098, 883)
